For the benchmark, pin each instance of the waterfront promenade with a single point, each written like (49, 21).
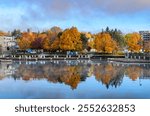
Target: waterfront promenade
(128, 58)
(36, 57)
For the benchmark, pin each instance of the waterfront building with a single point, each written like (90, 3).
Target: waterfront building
(7, 42)
(145, 35)
(91, 43)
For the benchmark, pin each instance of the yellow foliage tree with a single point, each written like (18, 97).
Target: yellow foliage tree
(46, 44)
(26, 40)
(91, 43)
(88, 35)
(2, 33)
(55, 44)
(134, 42)
(104, 43)
(70, 40)
(24, 43)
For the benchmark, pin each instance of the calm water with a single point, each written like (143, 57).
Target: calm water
(74, 79)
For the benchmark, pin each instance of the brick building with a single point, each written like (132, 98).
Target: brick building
(145, 35)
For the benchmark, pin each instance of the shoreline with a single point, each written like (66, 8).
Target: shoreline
(121, 60)
(57, 57)
(128, 60)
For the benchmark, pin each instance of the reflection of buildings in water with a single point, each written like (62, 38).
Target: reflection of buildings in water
(6, 69)
(145, 74)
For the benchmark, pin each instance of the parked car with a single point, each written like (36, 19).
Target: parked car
(30, 51)
(72, 53)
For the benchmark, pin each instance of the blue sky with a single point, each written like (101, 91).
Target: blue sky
(86, 15)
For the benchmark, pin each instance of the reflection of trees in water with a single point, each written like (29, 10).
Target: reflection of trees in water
(134, 72)
(109, 74)
(138, 71)
(62, 73)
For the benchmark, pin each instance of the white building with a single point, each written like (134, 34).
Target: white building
(91, 40)
(7, 42)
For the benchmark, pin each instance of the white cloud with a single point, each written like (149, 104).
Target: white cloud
(32, 13)
(10, 18)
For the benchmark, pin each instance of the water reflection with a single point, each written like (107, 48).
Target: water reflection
(74, 72)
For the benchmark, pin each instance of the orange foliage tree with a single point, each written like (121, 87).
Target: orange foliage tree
(147, 46)
(104, 43)
(38, 41)
(56, 44)
(42, 40)
(2, 33)
(46, 44)
(45, 41)
(70, 40)
(134, 42)
(26, 40)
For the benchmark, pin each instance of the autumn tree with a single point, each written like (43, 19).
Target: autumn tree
(37, 43)
(46, 44)
(56, 44)
(23, 44)
(53, 35)
(134, 42)
(104, 43)
(70, 40)
(26, 40)
(116, 35)
(2, 33)
(147, 46)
